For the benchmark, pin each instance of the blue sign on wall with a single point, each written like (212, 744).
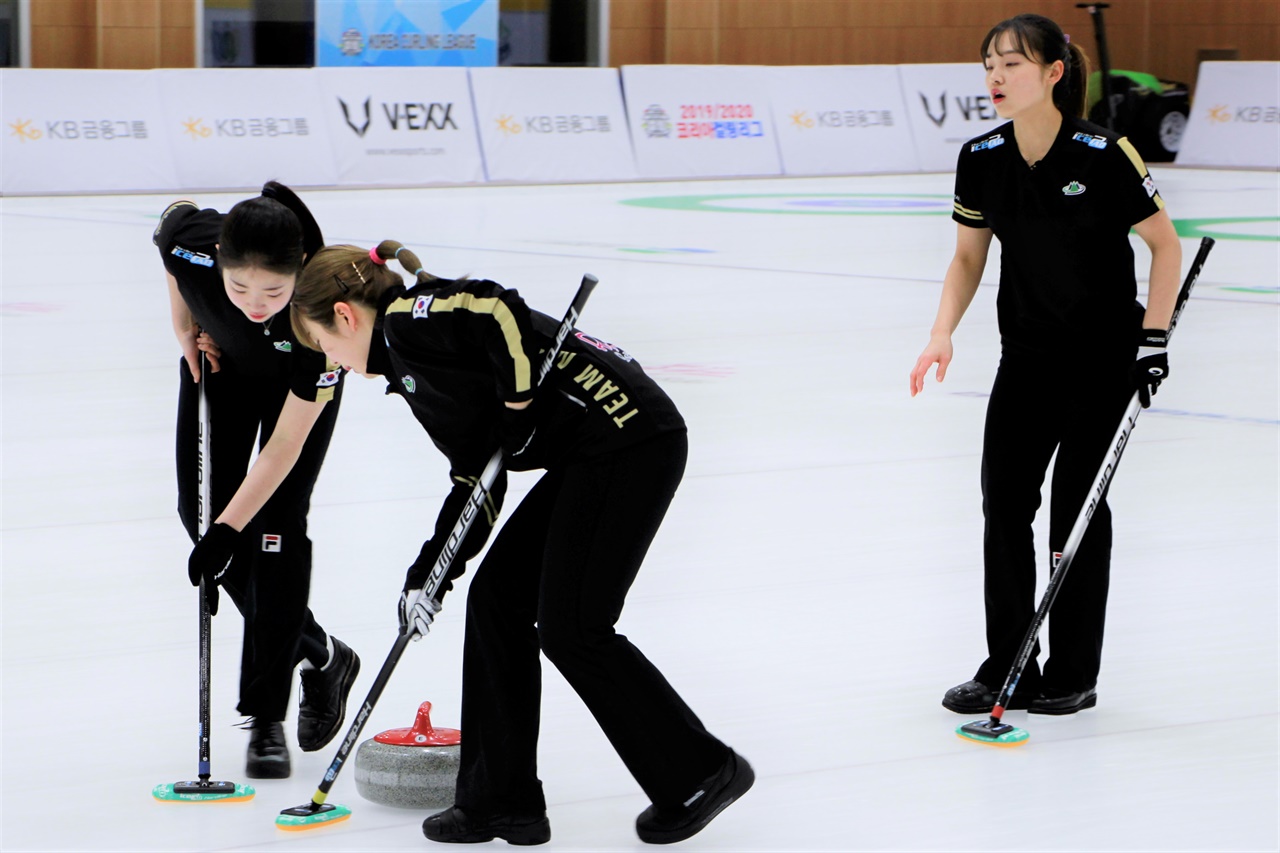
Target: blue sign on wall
(406, 32)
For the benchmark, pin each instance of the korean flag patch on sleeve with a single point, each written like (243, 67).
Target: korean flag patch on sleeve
(329, 378)
(422, 306)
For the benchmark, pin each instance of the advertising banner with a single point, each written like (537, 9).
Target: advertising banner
(233, 128)
(394, 126)
(552, 124)
(947, 105)
(407, 32)
(840, 120)
(1235, 118)
(694, 121)
(79, 131)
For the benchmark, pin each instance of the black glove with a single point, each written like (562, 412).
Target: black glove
(1152, 365)
(210, 559)
(516, 429)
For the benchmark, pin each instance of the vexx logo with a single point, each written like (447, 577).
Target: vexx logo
(401, 115)
(972, 107)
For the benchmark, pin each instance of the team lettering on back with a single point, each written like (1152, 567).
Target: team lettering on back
(608, 394)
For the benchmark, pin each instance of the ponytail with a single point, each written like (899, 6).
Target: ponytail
(1078, 89)
(312, 239)
(275, 232)
(348, 274)
(1042, 41)
(391, 250)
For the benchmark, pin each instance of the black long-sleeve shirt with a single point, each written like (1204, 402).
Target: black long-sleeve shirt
(458, 352)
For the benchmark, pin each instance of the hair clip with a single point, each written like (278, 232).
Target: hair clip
(342, 285)
(1067, 36)
(376, 258)
(357, 269)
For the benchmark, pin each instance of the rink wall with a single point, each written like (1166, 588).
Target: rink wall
(99, 131)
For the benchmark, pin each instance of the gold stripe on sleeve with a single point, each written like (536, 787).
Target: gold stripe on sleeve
(403, 305)
(1136, 159)
(497, 309)
(975, 215)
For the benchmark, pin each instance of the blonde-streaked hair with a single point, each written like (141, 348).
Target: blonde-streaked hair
(345, 273)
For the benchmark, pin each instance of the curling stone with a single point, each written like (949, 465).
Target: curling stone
(413, 768)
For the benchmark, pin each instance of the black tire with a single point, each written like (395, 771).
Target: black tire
(1158, 135)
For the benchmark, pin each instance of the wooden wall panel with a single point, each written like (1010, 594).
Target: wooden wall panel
(177, 47)
(64, 47)
(63, 13)
(130, 13)
(1161, 37)
(129, 47)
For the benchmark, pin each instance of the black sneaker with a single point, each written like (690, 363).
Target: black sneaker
(268, 755)
(974, 697)
(322, 698)
(454, 826)
(667, 825)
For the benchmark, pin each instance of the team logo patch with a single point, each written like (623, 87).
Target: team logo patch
(409, 384)
(603, 346)
(988, 143)
(1092, 141)
(284, 346)
(329, 378)
(200, 259)
(271, 543)
(422, 306)
(1150, 186)
(1073, 188)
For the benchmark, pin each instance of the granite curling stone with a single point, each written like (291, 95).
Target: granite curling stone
(413, 768)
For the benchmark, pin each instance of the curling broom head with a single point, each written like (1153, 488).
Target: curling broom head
(202, 792)
(311, 816)
(992, 733)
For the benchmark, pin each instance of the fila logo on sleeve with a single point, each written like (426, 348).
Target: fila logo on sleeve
(271, 543)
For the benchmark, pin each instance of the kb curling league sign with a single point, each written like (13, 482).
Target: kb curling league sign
(370, 33)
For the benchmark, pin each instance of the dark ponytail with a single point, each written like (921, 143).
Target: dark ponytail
(1042, 41)
(312, 239)
(274, 232)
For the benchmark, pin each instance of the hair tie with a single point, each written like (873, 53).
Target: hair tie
(419, 271)
(377, 259)
(398, 251)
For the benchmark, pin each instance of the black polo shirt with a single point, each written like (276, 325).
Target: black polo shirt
(1066, 264)
(187, 238)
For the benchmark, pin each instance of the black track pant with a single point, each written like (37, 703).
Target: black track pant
(270, 578)
(1036, 407)
(555, 579)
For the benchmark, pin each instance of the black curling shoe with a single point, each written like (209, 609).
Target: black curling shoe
(322, 697)
(669, 824)
(454, 826)
(268, 756)
(974, 697)
(1058, 703)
